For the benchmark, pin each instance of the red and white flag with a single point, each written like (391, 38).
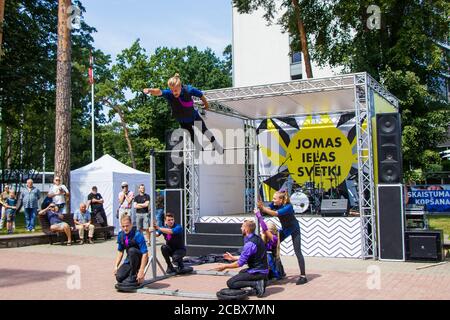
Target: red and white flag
(91, 68)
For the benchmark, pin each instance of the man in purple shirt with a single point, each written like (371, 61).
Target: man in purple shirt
(253, 254)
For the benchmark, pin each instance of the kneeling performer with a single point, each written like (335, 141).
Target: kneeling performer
(174, 247)
(131, 272)
(255, 255)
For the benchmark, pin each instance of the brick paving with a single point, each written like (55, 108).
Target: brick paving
(41, 272)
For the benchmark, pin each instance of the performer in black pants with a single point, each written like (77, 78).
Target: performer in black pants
(253, 254)
(283, 209)
(174, 247)
(133, 242)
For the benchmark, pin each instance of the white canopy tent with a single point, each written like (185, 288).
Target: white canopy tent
(107, 174)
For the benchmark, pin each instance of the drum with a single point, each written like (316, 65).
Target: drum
(300, 202)
(309, 185)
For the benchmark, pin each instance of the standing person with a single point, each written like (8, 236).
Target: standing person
(283, 209)
(95, 200)
(56, 224)
(159, 205)
(59, 193)
(10, 209)
(125, 200)
(271, 237)
(3, 197)
(29, 198)
(131, 272)
(180, 100)
(253, 254)
(82, 220)
(174, 247)
(141, 204)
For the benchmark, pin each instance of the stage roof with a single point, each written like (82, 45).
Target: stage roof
(300, 97)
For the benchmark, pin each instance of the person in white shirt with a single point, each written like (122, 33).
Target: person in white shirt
(59, 193)
(126, 198)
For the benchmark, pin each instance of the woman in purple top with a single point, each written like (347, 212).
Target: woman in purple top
(271, 238)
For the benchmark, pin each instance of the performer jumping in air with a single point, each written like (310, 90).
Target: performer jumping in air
(180, 100)
(283, 209)
(271, 237)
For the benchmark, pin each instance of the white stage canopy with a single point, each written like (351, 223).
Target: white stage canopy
(107, 174)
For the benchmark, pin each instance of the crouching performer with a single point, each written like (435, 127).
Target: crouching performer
(253, 254)
(132, 272)
(174, 247)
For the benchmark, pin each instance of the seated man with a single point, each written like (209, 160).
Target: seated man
(131, 272)
(56, 223)
(255, 255)
(82, 219)
(174, 247)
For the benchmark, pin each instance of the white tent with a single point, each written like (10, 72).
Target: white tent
(107, 174)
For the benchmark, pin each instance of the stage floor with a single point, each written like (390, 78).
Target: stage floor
(339, 237)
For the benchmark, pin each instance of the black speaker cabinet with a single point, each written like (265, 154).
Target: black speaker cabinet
(334, 207)
(173, 203)
(389, 148)
(424, 245)
(174, 161)
(391, 222)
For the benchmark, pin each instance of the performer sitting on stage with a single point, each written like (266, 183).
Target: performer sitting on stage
(271, 237)
(255, 255)
(131, 272)
(174, 247)
(180, 100)
(282, 208)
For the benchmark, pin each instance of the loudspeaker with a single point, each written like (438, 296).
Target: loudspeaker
(334, 207)
(391, 222)
(424, 245)
(173, 203)
(389, 148)
(174, 161)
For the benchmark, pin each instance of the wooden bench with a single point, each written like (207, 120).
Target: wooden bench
(106, 232)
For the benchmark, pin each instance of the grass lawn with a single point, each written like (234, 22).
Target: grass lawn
(20, 225)
(440, 222)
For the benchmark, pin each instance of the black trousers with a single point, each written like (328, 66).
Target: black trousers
(176, 255)
(134, 257)
(99, 216)
(245, 279)
(189, 126)
(297, 242)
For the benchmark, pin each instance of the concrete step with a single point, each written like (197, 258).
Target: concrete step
(202, 250)
(215, 239)
(223, 228)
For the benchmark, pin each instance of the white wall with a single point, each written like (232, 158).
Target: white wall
(260, 52)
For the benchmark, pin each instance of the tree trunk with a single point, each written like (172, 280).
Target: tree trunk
(2, 16)
(303, 39)
(63, 99)
(127, 137)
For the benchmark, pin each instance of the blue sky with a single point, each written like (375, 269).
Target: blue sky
(176, 23)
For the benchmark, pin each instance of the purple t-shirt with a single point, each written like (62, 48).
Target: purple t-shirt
(249, 250)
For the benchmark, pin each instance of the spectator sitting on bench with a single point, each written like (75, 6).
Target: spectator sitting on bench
(56, 223)
(174, 247)
(82, 220)
(131, 272)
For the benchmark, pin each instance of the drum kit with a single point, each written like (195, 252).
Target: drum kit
(308, 196)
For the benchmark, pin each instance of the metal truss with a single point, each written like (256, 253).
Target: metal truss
(191, 185)
(373, 84)
(366, 187)
(278, 89)
(250, 140)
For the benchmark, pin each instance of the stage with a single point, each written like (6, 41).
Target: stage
(337, 237)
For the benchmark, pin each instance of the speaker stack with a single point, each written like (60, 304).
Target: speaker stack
(390, 204)
(174, 161)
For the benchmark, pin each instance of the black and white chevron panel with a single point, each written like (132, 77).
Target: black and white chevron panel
(335, 237)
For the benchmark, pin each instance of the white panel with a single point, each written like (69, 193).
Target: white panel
(222, 184)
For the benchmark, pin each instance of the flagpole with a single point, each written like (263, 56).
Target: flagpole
(91, 80)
